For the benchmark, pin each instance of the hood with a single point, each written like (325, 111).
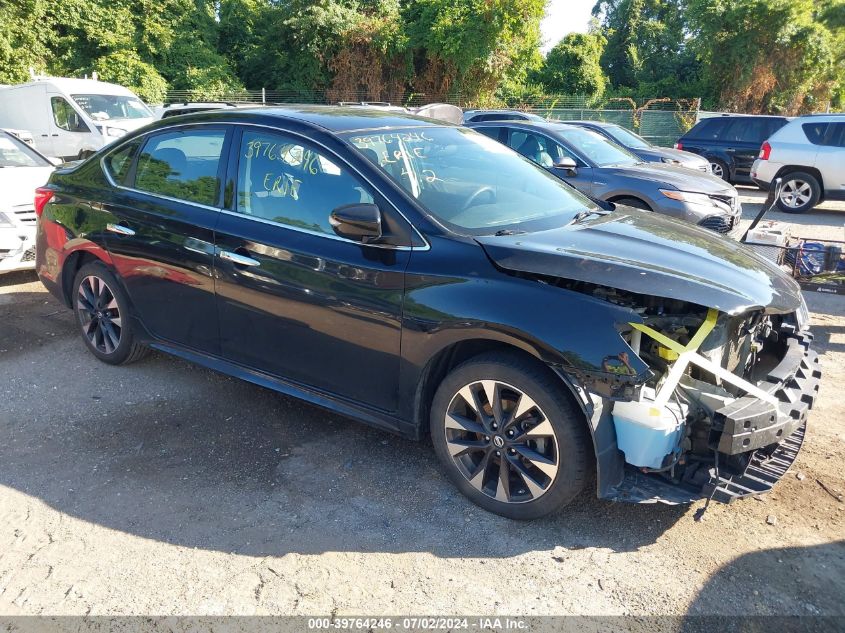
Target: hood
(18, 185)
(687, 159)
(673, 176)
(651, 254)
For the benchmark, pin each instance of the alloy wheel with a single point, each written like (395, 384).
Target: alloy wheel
(717, 170)
(99, 314)
(796, 193)
(501, 441)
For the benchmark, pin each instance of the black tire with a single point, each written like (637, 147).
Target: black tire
(800, 192)
(635, 203)
(720, 169)
(102, 312)
(562, 444)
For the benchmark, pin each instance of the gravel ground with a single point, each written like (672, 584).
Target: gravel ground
(163, 488)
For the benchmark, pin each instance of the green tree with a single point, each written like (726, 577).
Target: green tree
(573, 66)
(764, 55)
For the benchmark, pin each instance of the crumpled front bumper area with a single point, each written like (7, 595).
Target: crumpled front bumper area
(766, 438)
(751, 425)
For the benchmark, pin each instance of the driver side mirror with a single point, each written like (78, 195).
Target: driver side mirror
(567, 164)
(358, 222)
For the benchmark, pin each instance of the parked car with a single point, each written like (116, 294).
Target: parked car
(604, 170)
(643, 149)
(22, 169)
(428, 280)
(808, 154)
(71, 118)
(730, 143)
(477, 116)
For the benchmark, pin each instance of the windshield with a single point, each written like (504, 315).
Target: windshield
(470, 183)
(16, 153)
(627, 137)
(597, 148)
(111, 107)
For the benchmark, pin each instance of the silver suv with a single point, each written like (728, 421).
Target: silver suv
(808, 153)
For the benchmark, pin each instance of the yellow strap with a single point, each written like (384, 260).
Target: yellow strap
(695, 341)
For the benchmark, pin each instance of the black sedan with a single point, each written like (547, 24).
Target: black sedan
(426, 279)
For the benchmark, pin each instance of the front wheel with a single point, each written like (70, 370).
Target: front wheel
(102, 311)
(509, 436)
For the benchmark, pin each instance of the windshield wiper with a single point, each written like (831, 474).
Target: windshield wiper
(503, 232)
(586, 213)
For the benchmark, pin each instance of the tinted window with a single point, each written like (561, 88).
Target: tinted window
(66, 117)
(708, 129)
(470, 182)
(492, 132)
(282, 179)
(815, 132)
(742, 130)
(118, 162)
(836, 135)
(182, 165)
(626, 137)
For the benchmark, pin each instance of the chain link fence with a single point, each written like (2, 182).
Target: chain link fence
(660, 121)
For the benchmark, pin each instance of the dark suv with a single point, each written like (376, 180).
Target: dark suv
(730, 143)
(426, 279)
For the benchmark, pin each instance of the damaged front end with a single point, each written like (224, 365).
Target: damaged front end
(722, 414)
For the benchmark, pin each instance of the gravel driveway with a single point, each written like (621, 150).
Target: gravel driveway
(164, 488)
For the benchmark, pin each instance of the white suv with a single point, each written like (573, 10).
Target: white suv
(808, 153)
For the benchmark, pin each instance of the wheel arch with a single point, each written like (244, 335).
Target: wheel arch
(73, 262)
(625, 196)
(813, 171)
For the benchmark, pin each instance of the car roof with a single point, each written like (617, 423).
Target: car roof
(332, 118)
(546, 126)
(592, 123)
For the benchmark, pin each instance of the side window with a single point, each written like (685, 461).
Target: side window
(65, 117)
(118, 162)
(537, 148)
(282, 179)
(492, 132)
(835, 135)
(745, 130)
(815, 132)
(708, 129)
(182, 165)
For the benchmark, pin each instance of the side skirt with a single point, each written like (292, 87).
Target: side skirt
(373, 417)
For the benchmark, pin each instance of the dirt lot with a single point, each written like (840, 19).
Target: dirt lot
(163, 488)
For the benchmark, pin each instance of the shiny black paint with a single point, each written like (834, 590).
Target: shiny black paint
(360, 329)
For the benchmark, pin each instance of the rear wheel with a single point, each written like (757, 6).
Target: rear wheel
(719, 169)
(509, 437)
(800, 192)
(102, 311)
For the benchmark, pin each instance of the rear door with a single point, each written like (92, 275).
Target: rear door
(743, 138)
(162, 215)
(295, 299)
(830, 160)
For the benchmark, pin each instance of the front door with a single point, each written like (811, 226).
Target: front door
(69, 133)
(547, 153)
(295, 299)
(161, 220)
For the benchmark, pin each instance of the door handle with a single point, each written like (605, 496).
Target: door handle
(239, 260)
(55, 134)
(120, 230)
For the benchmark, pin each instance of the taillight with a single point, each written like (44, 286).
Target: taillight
(42, 197)
(765, 151)
(679, 145)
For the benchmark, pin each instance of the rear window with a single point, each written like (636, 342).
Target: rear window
(815, 132)
(118, 162)
(747, 130)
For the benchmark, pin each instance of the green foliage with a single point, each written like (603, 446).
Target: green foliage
(573, 67)
(764, 55)
(127, 69)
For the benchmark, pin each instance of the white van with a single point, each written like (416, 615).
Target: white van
(70, 118)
